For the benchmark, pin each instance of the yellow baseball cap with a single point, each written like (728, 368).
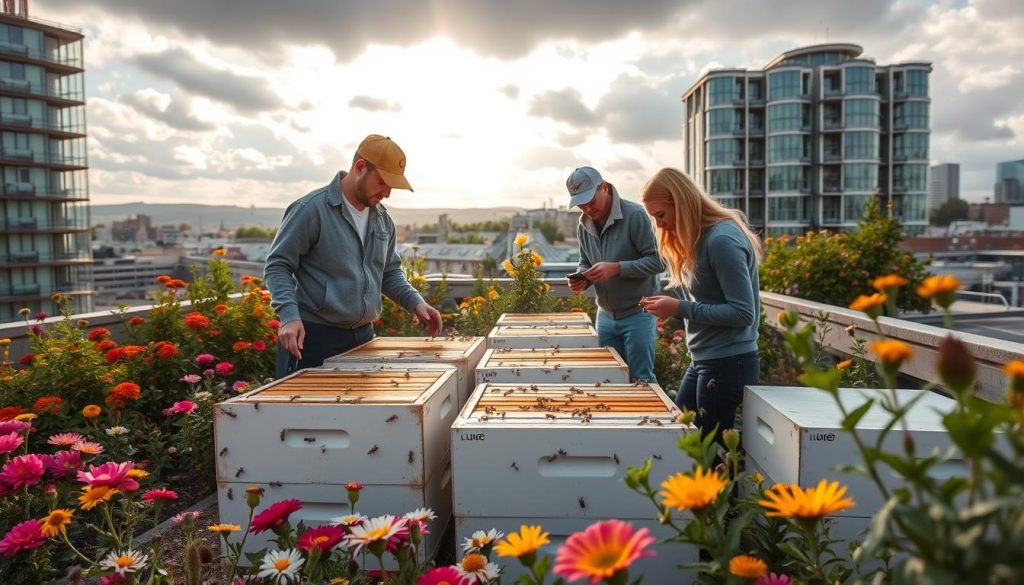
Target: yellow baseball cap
(383, 153)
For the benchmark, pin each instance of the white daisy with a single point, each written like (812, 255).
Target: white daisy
(348, 520)
(421, 514)
(373, 530)
(116, 431)
(481, 539)
(475, 568)
(127, 561)
(281, 565)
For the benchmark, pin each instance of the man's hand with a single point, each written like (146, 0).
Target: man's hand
(578, 284)
(660, 306)
(430, 317)
(291, 335)
(602, 271)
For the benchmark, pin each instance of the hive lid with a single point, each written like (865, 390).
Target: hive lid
(640, 402)
(349, 386)
(550, 357)
(415, 347)
(541, 330)
(513, 318)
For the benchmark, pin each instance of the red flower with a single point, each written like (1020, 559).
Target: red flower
(224, 368)
(27, 535)
(26, 359)
(323, 538)
(353, 486)
(163, 279)
(9, 412)
(130, 351)
(122, 393)
(259, 345)
(113, 355)
(166, 351)
(221, 308)
(159, 495)
(176, 283)
(47, 405)
(136, 321)
(197, 320)
(441, 575)
(274, 516)
(240, 346)
(273, 323)
(98, 334)
(105, 345)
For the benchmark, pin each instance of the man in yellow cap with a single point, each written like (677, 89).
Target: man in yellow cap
(334, 256)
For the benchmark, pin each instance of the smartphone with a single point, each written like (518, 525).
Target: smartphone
(576, 276)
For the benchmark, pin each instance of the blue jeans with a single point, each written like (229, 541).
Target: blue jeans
(633, 337)
(713, 389)
(320, 343)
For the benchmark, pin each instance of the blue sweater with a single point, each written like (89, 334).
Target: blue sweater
(722, 308)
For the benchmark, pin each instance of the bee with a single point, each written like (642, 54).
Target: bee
(485, 418)
(323, 448)
(412, 456)
(309, 439)
(550, 458)
(373, 450)
(394, 382)
(223, 451)
(275, 484)
(231, 414)
(239, 472)
(231, 494)
(565, 377)
(598, 385)
(407, 375)
(582, 502)
(550, 416)
(656, 456)
(255, 405)
(391, 418)
(615, 456)
(337, 398)
(294, 397)
(514, 466)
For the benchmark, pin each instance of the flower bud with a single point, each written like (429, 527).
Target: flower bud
(956, 366)
(686, 417)
(789, 319)
(353, 488)
(252, 496)
(731, 438)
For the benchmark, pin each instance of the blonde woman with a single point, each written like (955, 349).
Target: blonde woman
(712, 257)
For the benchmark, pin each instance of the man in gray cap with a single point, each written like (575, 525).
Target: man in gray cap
(619, 256)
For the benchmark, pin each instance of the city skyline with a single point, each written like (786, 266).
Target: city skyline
(494, 103)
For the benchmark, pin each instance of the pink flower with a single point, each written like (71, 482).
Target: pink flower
(442, 575)
(602, 550)
(19, 426)
(205, 359)
(112, 579)
(10, 442)
(208, 372)
(191, 378)
(38, 329)
(40, 316)
(322, 538)
(61, 463)
(183, 407)
(240, 386)
(159, 495)
(182, 516)
(22, 471)
(224, 368)
(773, 579)
(25, 536)
(274, 516)
(401, 536)
(273, 324)
(64, 439)
(109, 474)
(88, 447)
(259, 345)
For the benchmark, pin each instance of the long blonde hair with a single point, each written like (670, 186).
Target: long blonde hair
(695, 211)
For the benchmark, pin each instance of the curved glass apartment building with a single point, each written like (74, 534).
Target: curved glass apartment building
(805, 142)
(44, 199)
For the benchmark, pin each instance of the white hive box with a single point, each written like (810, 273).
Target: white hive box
(552, 366)
(531, 336)
(531, 452)
(794, 435)
(461, 352)
(321, 502)
(660, 569)
(568, 318)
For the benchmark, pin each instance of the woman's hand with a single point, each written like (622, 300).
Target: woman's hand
(661, 306)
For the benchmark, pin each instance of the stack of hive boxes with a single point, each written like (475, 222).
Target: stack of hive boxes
(305, 436)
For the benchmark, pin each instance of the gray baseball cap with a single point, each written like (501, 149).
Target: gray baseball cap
(582, 184)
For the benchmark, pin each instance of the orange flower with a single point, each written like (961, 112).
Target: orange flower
(844, 364)
(940, 289)
(888, 281)
(127, 391)
(47, 405)
(602, 550)
(166, 351)
(219, 252)
(240, 346)
(891, 351)
(105, 345)
(197, 320)
(870, 304)
(136, 321)
(96, 334)
(91, 411)
(1014, 370)
(163, 279)
(747, 567)
(221, 308)
(177, 283)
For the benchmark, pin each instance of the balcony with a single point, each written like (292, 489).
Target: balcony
(26, 156)
(832, 93)
(29, 192)
(831, 156)
(50, 61)
(16, 259)
(55, 96)
(25, 121)
(832, 124)
(832, 187)
(34, 224)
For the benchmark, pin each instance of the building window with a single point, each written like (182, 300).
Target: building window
(724, 121)
(787, 209)
(724, 152)
(757, 180)
(917, 83)
(787, 178)
(860, 80)
(862, 113)
(722, 90)
(725, 181)
(910, 146)
(911, 115)
(787, 148)
(860, 177)
(853, 207)
(785, 117)
(910, 178)
(783, 85)
(860, 145)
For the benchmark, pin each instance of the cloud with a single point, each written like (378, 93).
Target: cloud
(510, 91)
(564, 105)
(982, 79)
(635, 111)
(546, 157)
(173, 110)
(372, 104)
(243, 92)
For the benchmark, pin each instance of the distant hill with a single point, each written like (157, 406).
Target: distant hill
(233, 216)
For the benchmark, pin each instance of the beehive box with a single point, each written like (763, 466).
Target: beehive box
(561, 450)
(660, 569)
(322, 502)
(461, 352)
(531, 336)
(794, 434)
(546, 319)
(552, 366)
(324, 426)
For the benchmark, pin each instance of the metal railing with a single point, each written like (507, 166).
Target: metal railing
(28, 88)
(35, 257)
(30, 156)
(34, 223)
(25, 51)
(27, 121)
(31, 189)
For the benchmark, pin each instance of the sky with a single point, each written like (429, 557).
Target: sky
(495, 102)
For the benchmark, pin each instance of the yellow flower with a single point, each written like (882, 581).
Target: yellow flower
(25, 416)
(522, 543)
(56, 522)
(891, 351)
(138, 473)
(339, 581)
(747, 567)
(940, 289)
(96, 495)
(522, 239)
(219, 252)
(224, 529)
(682, 492)
(492, 294)
(536, 258)
(844, 364)
(509, 268)
(888, 281)
(1015, 372)
(792, 501)
(5, 342)
(870, 304)
(91, 411)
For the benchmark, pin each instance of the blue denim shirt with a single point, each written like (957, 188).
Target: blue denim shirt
(318, 269)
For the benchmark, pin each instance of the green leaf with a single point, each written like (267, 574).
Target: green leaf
(850, 421)
(794, 551)
(877, 533)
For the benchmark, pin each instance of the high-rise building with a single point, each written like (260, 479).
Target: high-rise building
(1010, 182)
(944, 185)
(44, 224)
(806, 141)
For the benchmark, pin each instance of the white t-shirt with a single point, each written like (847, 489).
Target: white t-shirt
(361, 218)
